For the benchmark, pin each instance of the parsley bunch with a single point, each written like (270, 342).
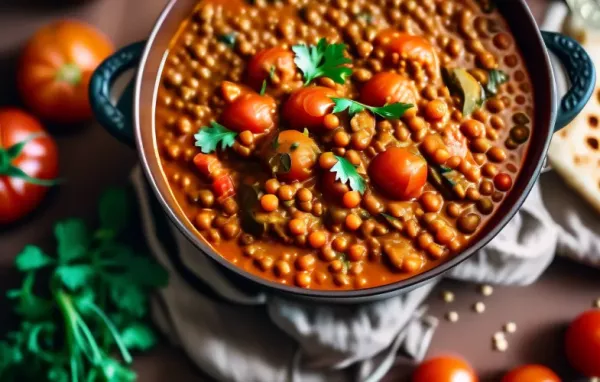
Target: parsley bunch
(82, 306)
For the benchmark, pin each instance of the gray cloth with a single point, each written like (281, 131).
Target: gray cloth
(236, 336)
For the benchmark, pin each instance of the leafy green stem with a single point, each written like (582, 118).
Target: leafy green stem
(113, 330)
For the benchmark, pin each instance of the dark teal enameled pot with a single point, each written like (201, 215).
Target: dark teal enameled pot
(131, 120)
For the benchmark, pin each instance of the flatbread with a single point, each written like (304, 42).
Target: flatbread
(575, 150)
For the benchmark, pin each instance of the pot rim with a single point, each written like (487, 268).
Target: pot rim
(340, 296)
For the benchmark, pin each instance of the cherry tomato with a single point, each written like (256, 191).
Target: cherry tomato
(307, 107)
(444, 369)
(260, 66)
(387, 87)
(293, 156)
(55, 69)
(582, 343)
(531, 373)
(38, 159)
(232, 90)
(399, 173)
(406, 46)
(250, 111)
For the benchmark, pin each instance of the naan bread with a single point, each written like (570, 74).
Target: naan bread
(575, 150)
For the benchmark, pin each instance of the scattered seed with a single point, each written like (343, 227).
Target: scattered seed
(499, 336)
(510, 327)
(479, 307)
(501, 345)
(452, 316)
(597, 304)
(448, 296)
(486, 290)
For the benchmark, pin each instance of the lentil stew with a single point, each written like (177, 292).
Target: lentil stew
(342, 144)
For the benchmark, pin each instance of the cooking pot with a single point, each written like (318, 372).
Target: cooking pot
(132, 121)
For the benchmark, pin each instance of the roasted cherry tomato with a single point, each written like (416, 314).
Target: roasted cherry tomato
(292, 155)
(399, 173)
(444, 369)
(276, 59)
(409, 47)
(55, 69)
(232, 90)
(387, 87)
(531, 373)
(582, 343)
(307, 107)
(250, 111)
(25, 171)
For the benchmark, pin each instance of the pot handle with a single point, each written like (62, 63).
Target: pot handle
(581, 73)
(117, 119)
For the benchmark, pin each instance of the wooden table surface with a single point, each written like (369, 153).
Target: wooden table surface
(541, 311)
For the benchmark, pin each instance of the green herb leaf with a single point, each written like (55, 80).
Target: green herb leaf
(58, 374)
(29, 306)
(32, 258)
(285, 161)
(73, 240)
(294, 146)
(228, 39)
(272, 72)
(75, 276)
(263, 88)
(129, 298)
(305, 132)
(345, 172)
(495, 79)
(391, 111)
(208, 138)
(114, 211)
(323, 60)
(138, 336)
(112, 371)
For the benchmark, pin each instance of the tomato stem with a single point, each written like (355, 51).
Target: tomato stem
(69, 73)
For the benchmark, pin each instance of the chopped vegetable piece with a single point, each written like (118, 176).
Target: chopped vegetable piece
(206, 164)
(345, 172)
(391, 111)
(463, 83)
(208, 138)
(323, 60)
(223, 186)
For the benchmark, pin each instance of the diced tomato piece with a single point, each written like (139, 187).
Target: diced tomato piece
(206, 163)
(223, 186)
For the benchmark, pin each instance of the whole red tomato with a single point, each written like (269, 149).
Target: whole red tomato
(28, 160)
(388, 87)
(55, 69)
(582, 343)
(250, 111)
(398, 172)
(531, 373)
(308, 106)
(444, 369)
(277, 59)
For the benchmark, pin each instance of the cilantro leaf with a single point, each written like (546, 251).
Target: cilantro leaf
(75, 276)
(138, 336)
(345, 172)
(208, 138)
(129, 298)
(323, 60)
(391, 111)
(495, 79)
(58, 374)
(29, 306)
(32, 258)
(73, 240)
(114, 211)
(113, 371)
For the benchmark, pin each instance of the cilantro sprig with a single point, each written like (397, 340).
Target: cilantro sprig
(345, 172)
(391, 111)
(82, 306)
(322, 60)
(208, 138)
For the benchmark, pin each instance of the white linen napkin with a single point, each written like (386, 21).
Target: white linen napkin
(234, 334)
